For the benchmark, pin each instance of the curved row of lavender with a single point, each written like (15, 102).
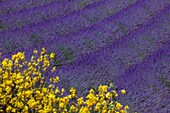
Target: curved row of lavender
(9, 6)
(34, 35)
(37, 15)
(126, 41)
(128, 53)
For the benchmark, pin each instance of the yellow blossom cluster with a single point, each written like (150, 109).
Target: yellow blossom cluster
(23, 89)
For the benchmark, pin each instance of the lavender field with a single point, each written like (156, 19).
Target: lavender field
(97, 41)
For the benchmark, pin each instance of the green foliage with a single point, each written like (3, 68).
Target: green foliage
(35, 38)
(90, 44)
(11, 45)
(165, 80)
(2, 26)
(67, 52)
(123, 28)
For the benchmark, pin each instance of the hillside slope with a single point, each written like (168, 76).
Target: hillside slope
(95, 41)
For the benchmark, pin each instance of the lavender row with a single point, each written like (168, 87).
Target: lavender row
(16, 42)
(88, 41)
(116, 21)
(9, 6)
(116, 58)
(26, 33)
(92, 74)
(78, 52)
(96, 68)
(146, 8)
(12, 35)
(63, 21)
(22, 40)
(147, 83)
(36, 15)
